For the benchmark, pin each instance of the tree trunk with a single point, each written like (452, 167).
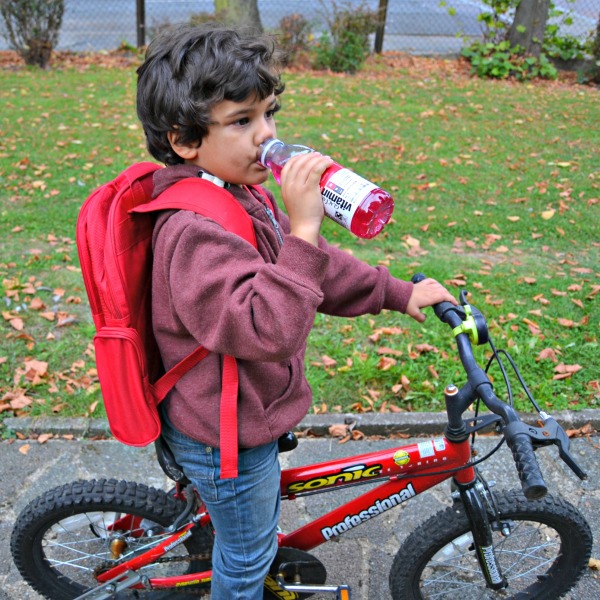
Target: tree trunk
(380, 31)
(528, 27)
(241, 13)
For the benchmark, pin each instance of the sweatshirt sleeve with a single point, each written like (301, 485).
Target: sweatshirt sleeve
(351, 287)
(228, 298)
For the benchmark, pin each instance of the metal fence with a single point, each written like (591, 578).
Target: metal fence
(415, 26)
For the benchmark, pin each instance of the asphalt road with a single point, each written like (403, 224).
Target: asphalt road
(363, 556)
(417, 26)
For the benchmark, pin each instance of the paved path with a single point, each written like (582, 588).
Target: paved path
(363, 556)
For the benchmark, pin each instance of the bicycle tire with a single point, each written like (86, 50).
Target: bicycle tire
(437, 559)
(61, 537)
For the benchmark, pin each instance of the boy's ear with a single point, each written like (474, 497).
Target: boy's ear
(185, 152)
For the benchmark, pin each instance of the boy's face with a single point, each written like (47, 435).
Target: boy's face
(231, 149)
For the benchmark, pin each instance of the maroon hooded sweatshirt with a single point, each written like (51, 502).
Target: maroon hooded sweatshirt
(213, 288)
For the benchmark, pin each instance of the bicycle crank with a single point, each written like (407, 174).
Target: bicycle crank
(296, 574)
(299, 590)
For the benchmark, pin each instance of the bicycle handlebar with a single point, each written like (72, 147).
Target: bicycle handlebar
(532, 482)
(478, 384)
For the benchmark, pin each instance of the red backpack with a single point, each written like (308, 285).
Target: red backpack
(114, 241)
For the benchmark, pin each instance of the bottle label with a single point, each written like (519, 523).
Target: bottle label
(343, 193)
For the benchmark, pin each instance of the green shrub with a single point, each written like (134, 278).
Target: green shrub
(494, 57)
(499, 61)
(346, 46)
(201, 18)
(494, 19)
(591, 73)
(31, 27)
(557, 44)
(564, 47)
(595, 45)
(293, 36)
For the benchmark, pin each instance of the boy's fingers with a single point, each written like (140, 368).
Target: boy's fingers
(436, 292)
(304, 165)
(416, 314)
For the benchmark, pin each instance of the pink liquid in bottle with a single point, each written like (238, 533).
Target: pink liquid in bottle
(350, 200)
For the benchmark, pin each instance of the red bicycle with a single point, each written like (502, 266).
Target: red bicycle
(103, 539)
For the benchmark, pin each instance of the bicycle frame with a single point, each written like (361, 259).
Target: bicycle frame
(404, 472)
(396, 475)
(407, 471)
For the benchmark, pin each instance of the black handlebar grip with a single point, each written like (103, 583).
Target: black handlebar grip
(418, 277)
(532, 482)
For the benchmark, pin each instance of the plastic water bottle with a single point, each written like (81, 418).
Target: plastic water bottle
(350, 200)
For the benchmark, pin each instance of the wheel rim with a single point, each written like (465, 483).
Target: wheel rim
(79, 546)
(526, 558)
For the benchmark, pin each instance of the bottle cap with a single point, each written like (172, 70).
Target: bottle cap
(266, 146)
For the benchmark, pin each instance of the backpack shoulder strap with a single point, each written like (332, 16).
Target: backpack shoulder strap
(216, 203)
(206, 199)
(260, 190)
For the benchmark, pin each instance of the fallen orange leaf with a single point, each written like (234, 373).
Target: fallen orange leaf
(20, 402)
(338, 430)
(566, 322)
(547, 353)
(17, 323)
(386, 363)
(37, 304)
(562, 368)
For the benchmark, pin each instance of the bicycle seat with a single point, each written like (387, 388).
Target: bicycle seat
(167, 462)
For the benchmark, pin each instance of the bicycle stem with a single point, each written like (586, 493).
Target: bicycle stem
(478, 385)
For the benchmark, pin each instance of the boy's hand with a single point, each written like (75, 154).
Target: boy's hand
(301, 194)
(427, 293)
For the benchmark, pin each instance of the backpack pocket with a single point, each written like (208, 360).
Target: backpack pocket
(130, 404)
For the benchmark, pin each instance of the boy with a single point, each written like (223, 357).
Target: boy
(207, 97)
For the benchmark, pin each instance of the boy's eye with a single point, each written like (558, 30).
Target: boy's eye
(273, 111)
(243, 121)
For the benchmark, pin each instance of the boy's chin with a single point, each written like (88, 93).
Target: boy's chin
(259, 178)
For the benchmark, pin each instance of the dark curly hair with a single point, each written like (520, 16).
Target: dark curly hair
(188, 70)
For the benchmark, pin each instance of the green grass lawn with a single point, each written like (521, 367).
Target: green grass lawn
(497, 189)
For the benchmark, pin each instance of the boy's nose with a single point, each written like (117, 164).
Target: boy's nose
(266, 131)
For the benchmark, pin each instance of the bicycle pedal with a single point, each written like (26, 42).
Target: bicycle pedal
(342, 592)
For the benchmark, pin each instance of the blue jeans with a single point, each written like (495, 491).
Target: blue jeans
(244, 512)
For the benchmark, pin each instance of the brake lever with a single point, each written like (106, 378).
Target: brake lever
(559, 437)
(552, 433)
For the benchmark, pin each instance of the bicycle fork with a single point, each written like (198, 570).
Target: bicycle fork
(472, 496)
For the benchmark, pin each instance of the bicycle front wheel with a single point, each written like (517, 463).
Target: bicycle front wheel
(68, 535)
(543, 557)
